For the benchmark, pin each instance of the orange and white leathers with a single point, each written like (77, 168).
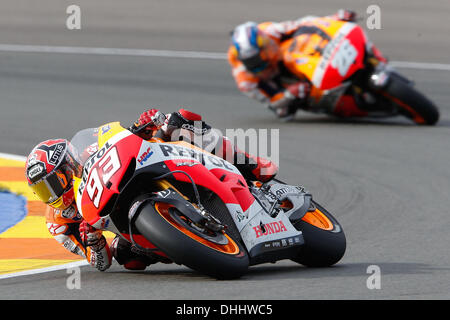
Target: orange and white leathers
(260, 86)
(249, 83)
(63, 225)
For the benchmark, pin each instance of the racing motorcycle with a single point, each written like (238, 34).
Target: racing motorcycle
(338, 58)
(179, 203)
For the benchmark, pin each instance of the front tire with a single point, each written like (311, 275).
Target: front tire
(325, 242)
(216, 255)
(410, 102)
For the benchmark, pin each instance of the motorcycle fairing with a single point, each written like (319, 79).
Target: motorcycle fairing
(206, 169)
(326, 66)
(261, 232)
(105, 169)
(231, 188)
(225, 180)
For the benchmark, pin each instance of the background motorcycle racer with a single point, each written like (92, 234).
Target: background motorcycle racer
(51, 165)
(258, 70)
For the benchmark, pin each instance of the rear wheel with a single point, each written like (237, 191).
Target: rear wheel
(410, 102)
(213, 253)
(325, 241)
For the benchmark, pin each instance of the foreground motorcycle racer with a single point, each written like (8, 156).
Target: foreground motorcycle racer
(258, 69)
(51, 165)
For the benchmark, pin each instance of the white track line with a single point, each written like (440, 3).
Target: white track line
(40, 270)
(420, 65)
(12, 157)
(175, 54)
(43, 270)
(113, 51)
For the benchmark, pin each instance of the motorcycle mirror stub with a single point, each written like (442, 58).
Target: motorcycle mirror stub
(379, 80)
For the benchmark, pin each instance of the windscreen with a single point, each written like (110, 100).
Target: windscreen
(84, 144)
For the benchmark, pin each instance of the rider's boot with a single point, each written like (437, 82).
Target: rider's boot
(285, 113)
(128, 256)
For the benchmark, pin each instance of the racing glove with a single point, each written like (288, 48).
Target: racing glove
(91, 237)
(152, 119)
(188, 121)
(285, 104)
(149, 121)
(299, 90)
(97, 250)
(346, 15)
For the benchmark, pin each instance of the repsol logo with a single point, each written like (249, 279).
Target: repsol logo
(329, 49)
(178, 151)
(90, 163)
(269, 228)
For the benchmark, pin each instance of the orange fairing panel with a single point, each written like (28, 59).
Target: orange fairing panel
(318, 219)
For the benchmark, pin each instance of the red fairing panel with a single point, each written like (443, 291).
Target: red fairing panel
(342, 57)
(229, 186)
(106, 171)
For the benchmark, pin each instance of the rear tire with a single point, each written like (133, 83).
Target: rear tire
(322, 247)
(185, 249)
(410, 102)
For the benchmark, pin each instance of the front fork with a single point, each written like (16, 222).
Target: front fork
(203, 218)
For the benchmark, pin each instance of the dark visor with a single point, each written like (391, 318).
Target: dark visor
(254, 63)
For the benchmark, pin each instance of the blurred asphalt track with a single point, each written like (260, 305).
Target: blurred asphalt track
(387, 182)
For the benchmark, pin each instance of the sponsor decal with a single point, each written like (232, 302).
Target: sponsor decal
(164, 193)
(104, 224)
(269, 228)
(105, 129)
(89, 164)
(69, 213)
(56, 229)
(133, 209)
(32, 160)
(187, 163)
(36, 170)
(71, 246)
(144, 157)
(289, 189)
(93, 148)
(329, 49)
(282, 243)
(196, 130)
(301, 61)
(54, 152)
(98, 260)
(178, 151)
(240, 215)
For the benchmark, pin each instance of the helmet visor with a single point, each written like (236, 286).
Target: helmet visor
(51, 187)
(254, 63)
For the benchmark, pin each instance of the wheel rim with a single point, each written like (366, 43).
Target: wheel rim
(230, 248)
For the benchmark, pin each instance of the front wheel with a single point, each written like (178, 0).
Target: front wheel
(410, 102)
(212, 253)
(325, 241)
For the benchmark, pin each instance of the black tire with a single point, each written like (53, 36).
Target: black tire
(410, 102)
(322, 248)
(183, 249)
